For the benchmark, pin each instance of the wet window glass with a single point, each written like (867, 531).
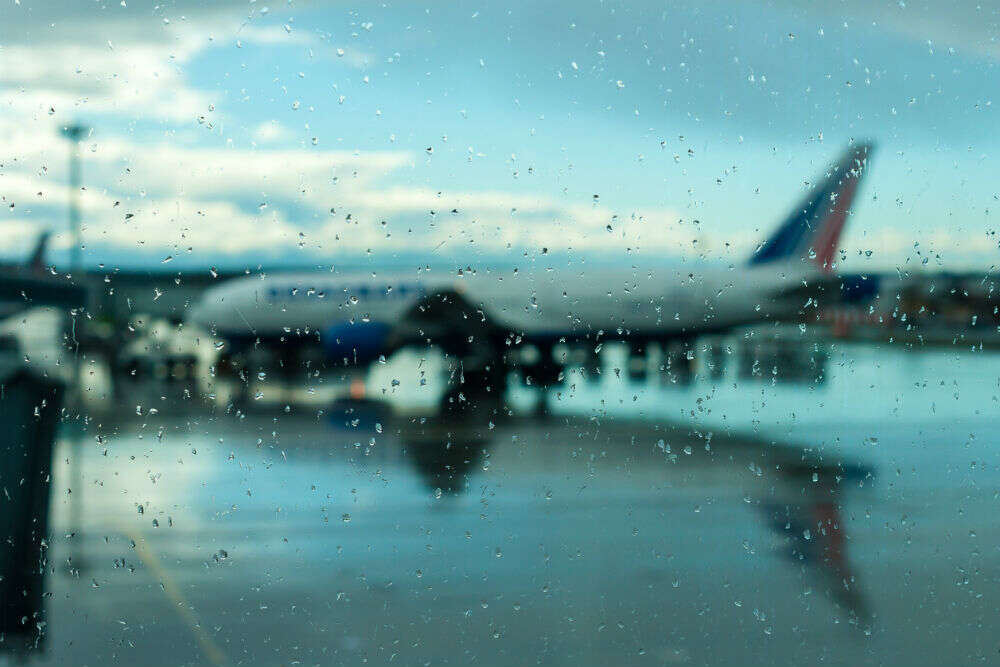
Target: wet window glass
(600, 333)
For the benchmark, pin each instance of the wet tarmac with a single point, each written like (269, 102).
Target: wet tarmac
(730, 522)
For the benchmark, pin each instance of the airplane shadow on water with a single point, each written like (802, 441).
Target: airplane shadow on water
(443, 450)
(798, 496)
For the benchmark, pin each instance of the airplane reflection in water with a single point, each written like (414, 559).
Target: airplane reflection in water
(803, 507)
(798, 495)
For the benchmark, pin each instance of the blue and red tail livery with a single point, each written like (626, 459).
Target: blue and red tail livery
(813, 229)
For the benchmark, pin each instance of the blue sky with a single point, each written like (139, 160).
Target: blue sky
(246, 133)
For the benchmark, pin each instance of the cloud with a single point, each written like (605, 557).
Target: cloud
(211, 202)
(275, 35)
(964, 25)
(134, 75)
(131, 65)
(222, 200)
(271, 132)
(17, 236)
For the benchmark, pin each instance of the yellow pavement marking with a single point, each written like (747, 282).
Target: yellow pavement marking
(212, 652)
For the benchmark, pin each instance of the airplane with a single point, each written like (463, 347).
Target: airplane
(484, 318)
(28, 284)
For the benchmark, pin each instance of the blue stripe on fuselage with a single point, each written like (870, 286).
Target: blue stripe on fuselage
(363, 292)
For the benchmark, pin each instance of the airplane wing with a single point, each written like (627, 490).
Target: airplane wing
(41, 291)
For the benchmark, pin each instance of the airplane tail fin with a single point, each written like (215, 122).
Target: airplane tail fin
(36, 261)
(812, 231)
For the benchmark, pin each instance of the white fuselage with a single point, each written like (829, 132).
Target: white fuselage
(539, 302)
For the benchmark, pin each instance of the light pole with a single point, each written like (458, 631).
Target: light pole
(74, 132)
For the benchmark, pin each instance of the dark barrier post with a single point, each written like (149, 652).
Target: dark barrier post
(29, 413)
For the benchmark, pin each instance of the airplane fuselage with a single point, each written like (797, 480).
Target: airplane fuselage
(536, 304)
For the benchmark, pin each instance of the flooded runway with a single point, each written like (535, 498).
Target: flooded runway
(858, 531)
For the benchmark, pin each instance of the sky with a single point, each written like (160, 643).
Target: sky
(245, 134)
